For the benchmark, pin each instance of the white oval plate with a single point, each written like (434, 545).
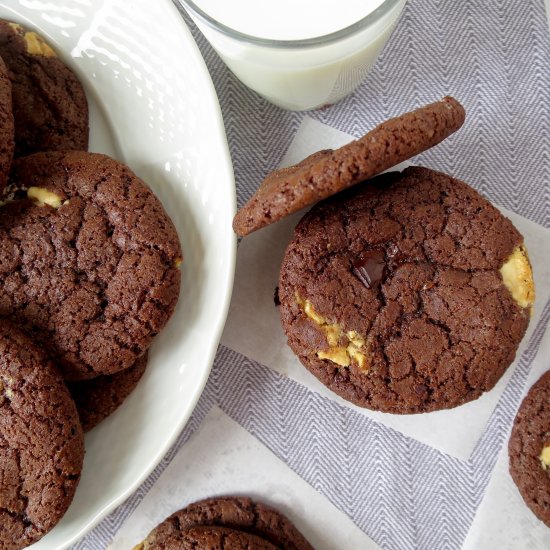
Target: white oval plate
(152, 105)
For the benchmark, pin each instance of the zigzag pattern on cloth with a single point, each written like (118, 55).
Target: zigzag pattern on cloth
(403, 493)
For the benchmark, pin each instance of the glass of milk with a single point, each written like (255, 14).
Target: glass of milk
(298, 54)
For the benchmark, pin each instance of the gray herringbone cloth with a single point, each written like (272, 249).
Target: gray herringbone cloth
(494, 56)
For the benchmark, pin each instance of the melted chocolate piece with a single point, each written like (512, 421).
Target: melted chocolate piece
(369, 268)
(276, 297)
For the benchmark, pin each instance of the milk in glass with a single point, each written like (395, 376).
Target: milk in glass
(298, 54)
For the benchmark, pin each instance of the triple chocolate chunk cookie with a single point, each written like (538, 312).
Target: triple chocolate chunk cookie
(235, 513)
(407, 294)
(327, 172)
(6, 126)
(529, 449)
(41, 442)
(89, 261)
(99, 397)
(49, 103)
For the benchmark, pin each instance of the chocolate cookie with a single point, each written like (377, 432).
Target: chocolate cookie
(529, 449)
(6, 126)
(326, 172)
(212, 538)
(407, 294)
(99, 397)
(237, 513)
(49, 103)
(41, 442)
(89, 263)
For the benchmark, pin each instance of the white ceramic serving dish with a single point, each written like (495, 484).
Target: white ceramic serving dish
(152, 105)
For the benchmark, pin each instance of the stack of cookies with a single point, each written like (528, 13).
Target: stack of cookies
(228, 522)
(407, 292)
(89, 275)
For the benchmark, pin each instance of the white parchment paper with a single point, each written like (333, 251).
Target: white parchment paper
(503, 520)
(222, 458)
(253, 327)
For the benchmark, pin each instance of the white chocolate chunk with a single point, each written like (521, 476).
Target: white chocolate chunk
(43, 197)
(517, 275)
(545, 457)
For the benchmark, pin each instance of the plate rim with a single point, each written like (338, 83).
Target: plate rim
(223, 310)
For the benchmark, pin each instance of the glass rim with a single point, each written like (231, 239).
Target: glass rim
(369, 20)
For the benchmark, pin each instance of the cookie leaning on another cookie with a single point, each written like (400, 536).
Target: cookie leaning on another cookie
(49, 104)
(90, 261)
(325, 173)
(41, 442)
(529, 449)
(409, 293)
(230, 512)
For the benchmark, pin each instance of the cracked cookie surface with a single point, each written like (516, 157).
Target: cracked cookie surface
(235, 513)
(99, 397)
(529, 449)
(410, 265)
(213, 538)
(41, 442)
(95, 276)
(49, 104)
(6, 126)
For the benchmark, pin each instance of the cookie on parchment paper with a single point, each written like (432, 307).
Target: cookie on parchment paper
(99, 397)
(529, 449)
(231, 512)
(41, 441)
(89, 261)
(327, 172)
(409, 293)
(49, 104)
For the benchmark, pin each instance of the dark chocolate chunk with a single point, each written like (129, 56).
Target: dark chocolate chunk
(276, 297)
(369, 268)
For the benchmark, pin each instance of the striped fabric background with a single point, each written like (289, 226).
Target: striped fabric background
(494, 56)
